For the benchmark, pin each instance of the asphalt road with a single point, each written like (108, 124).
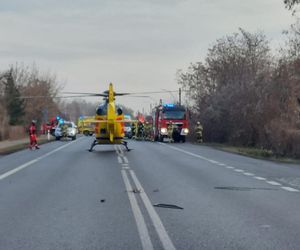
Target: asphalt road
(64, 197)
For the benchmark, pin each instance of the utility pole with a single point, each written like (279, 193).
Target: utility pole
(179, 96)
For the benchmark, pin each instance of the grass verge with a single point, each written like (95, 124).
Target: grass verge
(21, 146)
(258, 153)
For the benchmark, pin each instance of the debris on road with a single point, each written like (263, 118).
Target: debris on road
(136, 191)
(244, 188)
(167, 206)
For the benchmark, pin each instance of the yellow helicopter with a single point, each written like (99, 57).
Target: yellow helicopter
(109, 121)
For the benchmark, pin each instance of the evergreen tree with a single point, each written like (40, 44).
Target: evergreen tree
(13, 102)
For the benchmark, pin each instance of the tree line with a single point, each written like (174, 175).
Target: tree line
(247, 95)
(27, 94)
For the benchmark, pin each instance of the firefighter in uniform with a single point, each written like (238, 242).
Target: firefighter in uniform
(199, 130)
(32, 136)
(170, 131)
(147, 131)
(140, 130)
(133, 130)
(64, 130)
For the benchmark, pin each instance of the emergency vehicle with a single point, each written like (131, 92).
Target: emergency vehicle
(50, 125)
(128, 126)
(85, 125)
(170, 114)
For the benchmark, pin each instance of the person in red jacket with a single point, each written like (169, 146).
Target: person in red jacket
(32, 136)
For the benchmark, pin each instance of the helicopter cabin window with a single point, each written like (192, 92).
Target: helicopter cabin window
(102, 109)
(119, 111)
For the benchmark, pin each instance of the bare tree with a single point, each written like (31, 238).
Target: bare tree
(41, 91)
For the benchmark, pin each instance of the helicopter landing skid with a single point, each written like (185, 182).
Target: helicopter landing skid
(93, 145)
(124, 143)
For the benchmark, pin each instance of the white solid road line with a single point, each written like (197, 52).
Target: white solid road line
(159, 227)
(120, 160)
(139, 219)
(186, 152)
(27, 164)
(125, 159)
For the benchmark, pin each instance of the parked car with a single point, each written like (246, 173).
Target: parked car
(65, 130)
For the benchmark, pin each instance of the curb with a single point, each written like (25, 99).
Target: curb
(21, 146)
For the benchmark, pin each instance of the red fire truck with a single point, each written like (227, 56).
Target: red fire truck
(51, 125)
(170, 114)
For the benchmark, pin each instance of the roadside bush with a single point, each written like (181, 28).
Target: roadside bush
(283, 141)
(16, 132)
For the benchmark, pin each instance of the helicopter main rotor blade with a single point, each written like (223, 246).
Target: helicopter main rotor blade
(153, 92)
(105, 93)
(85, 94)
(58, 97)
(139, 96)
(78, 93)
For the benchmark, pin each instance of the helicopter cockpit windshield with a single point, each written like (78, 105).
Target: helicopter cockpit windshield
(102, 109)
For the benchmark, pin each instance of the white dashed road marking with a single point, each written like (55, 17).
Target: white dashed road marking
(248, 174)
(259, 178)
(239, 170)
(290, 189)
(274, 183)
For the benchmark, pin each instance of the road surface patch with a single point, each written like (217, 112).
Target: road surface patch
(27, 164)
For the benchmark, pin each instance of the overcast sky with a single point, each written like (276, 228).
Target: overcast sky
(136, 44)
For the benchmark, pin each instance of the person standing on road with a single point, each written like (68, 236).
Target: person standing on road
(147, 131)
(32, 136)
(140, 131)
(170, 132)
(133, 130)
(199, 130)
